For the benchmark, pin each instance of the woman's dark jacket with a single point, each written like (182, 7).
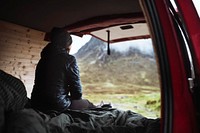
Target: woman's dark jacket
(57, 80)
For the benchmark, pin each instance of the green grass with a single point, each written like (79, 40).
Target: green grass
(128, 83)
(140, 100)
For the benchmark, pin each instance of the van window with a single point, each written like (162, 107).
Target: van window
(197, 6)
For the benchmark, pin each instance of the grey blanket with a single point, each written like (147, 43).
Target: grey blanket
(87, 121)
(13, 96)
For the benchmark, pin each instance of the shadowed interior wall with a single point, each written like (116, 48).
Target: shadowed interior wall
(20, 49)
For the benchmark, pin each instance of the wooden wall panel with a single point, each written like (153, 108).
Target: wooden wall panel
(20, 49)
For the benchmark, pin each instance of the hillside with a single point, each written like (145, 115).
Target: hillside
(131, 66)
(127, 79)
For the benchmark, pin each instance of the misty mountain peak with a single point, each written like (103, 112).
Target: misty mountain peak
(96, 49)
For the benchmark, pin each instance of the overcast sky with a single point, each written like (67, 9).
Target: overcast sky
(78, 42)
(197, 5)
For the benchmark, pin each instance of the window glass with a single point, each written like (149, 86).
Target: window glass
(197, 6)
(195, 2)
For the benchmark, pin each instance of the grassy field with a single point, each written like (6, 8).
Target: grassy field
(139, 99)
(128, 83)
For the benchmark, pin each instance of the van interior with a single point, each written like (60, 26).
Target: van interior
(119, 66)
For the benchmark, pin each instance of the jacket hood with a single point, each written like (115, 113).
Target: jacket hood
(60, 38)
(51, 50)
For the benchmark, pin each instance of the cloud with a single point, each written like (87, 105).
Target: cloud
(78, 42)
(144, 45)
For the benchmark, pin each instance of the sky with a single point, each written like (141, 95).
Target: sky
(197, 5)
(78, 42)
(144, 45)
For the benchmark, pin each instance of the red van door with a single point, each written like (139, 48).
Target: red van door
(172, 43)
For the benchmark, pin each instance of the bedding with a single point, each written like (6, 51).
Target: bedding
(99, 120)
(16, 116)
(13, 96)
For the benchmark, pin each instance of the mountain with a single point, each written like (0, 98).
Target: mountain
(96, 49)
(132, 65)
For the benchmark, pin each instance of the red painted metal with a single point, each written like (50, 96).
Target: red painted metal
(183, 107)
(192, 22)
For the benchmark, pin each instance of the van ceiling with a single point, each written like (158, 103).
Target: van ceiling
(79, 17)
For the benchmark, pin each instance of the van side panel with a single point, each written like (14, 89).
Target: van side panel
(20, 49)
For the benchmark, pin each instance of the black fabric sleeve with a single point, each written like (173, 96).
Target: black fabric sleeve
(74, 81)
